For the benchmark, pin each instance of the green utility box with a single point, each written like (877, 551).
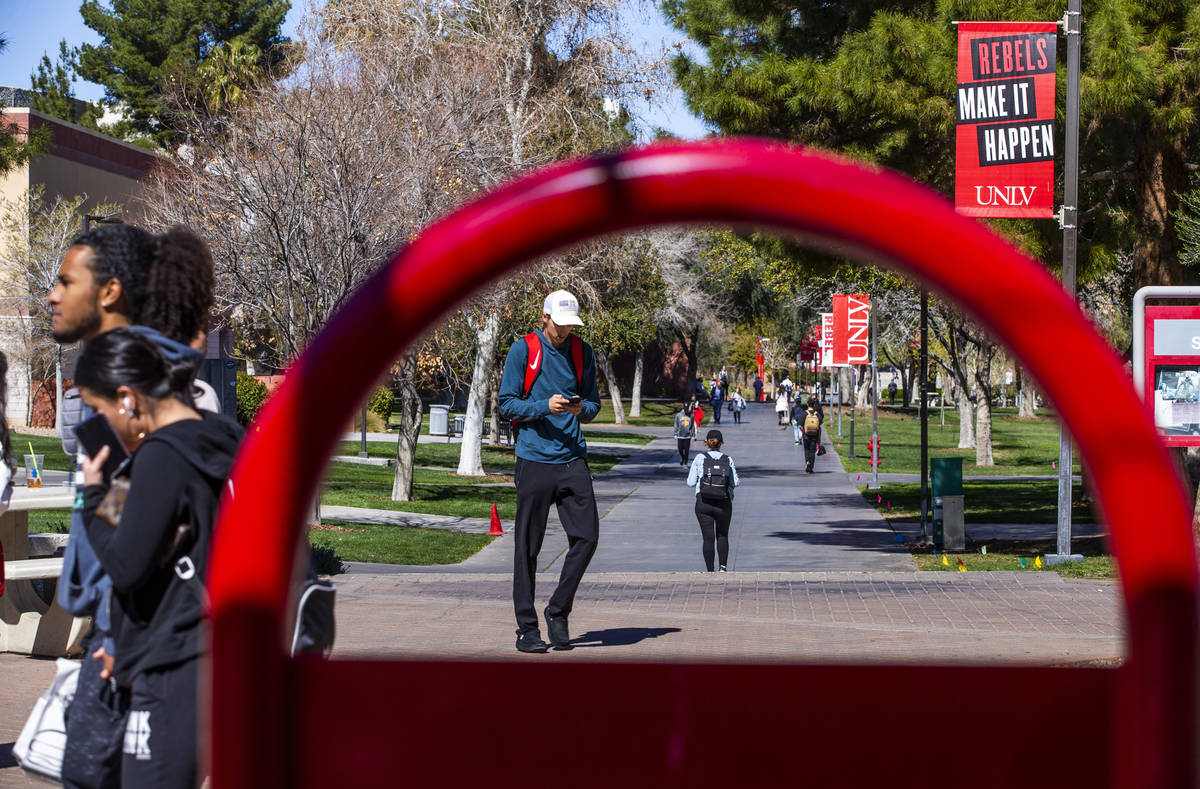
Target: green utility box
(947, 492)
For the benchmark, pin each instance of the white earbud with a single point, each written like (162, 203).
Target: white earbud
(127, 403)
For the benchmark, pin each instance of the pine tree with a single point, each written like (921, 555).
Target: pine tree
(151, 45)
(15, 151)
(876, 80)
(53, 94)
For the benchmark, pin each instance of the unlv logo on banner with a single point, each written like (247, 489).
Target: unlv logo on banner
(851, 328)
(1004, 163)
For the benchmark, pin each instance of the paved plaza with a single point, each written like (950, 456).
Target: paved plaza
(816, 576)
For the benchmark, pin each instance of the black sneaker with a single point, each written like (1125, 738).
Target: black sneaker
(556, 627)
(531, 641)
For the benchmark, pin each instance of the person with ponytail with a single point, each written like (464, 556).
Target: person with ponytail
(155, 545)
(115, 276)
(714, 476)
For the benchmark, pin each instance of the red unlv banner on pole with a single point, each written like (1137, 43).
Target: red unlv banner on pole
(1005, 119)
(851, 328)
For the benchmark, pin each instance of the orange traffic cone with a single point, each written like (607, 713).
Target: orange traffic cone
(496, 530)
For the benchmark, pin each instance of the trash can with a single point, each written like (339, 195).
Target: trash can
(947, 493)
(460, 421)
(439, 420)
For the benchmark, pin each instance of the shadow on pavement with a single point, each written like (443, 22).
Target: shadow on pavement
(875, 541)
(620, 636)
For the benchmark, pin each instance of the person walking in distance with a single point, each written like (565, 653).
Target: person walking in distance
(811, 421)
(717, 399)
(549, 389)
(737, 405)
(714, 476)
(798, 410)
(685, 432)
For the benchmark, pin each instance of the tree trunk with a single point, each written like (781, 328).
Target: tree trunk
(470, 457)
(635, 406)
(863, 398)
(1028, 396)
(983, 433)
(689, 350)
(410, 429)
(614, 391)
(966, 418)
(983, 404)
(494, 409)
(1162, 176)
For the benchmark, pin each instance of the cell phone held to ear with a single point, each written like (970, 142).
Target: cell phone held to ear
(94, 433)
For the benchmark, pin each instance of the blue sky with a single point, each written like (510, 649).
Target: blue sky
(34, 28)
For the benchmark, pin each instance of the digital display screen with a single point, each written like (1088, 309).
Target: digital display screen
(1177, 399)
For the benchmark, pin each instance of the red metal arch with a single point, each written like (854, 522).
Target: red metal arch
(1130, 726)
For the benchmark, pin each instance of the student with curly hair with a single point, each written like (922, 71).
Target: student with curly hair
(112, 277)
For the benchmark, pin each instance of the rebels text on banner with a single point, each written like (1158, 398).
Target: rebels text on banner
(1004, 109)
(827, 339)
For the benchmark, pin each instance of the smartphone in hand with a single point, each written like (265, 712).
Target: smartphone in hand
(574, 400)
(96, 432)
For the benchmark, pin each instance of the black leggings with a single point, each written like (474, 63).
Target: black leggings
(737, 417)
(685, 450)
(714, 519)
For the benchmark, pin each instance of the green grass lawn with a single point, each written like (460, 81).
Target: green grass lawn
(1033, 501)
(1019, 446)
(1008, 555)
(44, 521)
(615, 437)
(360, 542)
(653, 413)
(434, 492)
(50, 446)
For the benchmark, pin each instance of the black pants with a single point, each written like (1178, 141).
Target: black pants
(737, 416)
(685, 450)
(95, 726)
(569, 486)
(160, 730)
(714, 517)
(810, 449)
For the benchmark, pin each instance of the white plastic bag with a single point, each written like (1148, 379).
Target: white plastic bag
(40, 747)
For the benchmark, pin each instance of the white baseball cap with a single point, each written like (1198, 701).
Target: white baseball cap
(563, 308)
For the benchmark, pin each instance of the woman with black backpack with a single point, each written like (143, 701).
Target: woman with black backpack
(714, 477)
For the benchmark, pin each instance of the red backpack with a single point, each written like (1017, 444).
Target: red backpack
(533, 366)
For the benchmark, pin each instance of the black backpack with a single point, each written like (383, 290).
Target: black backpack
(715, 478)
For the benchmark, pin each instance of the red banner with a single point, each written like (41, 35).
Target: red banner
(1004, 110)
(851, 328)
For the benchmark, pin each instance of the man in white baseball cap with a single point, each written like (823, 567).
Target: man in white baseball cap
(549, 391)
(563, 308)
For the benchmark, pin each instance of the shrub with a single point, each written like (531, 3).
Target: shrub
(381, 402)
(251, 394)
(326, 561)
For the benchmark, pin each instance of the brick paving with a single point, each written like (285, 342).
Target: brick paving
(817, 577)
(895, 617)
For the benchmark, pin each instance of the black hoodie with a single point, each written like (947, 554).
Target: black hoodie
(176, 477)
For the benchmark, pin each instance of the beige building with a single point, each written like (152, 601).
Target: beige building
(78, 162)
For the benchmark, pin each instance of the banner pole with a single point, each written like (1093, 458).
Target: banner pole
(1073, 27)
(875, 391)
(923, 393)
